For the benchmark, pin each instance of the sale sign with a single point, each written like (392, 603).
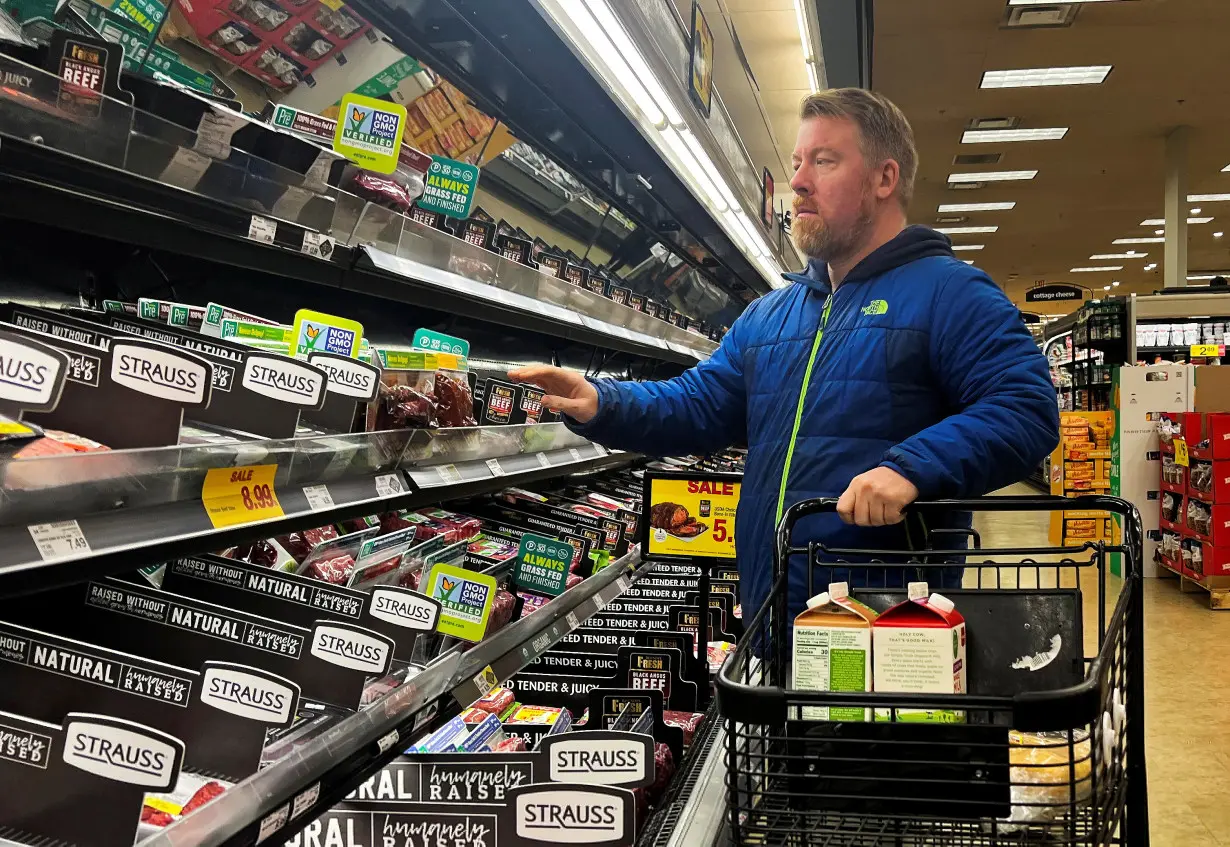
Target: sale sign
(690, 515)
(240, 495)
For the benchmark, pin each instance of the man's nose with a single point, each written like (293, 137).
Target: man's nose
(799, 185)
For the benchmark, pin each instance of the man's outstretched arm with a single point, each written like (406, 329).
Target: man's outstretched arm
(701, 410)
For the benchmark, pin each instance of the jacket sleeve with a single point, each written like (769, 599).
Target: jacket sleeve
(1004, 416)
(702, 410)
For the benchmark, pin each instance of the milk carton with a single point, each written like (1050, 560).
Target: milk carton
(919, 647)
(832, 651)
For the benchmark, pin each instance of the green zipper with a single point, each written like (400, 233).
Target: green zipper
(798, 412)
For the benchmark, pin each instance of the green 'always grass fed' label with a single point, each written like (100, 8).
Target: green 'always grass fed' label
(369, 132)
(216, 313)
(465, 599)
(317, 332)
(542, 564)
(438, 342)
(450, 187)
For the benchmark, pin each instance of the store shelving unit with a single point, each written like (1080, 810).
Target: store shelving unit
(1205, 311)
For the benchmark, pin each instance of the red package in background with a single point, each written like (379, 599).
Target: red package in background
(203, 795)
(687, 721)
(531, 603)
(501, 612)
(335, 570)
(495, 702)
(663, 770)
(463, 527)
(380, 190)
(516, 744)
(574, 579)
(299, 544)
(454, 402)
(358, 524)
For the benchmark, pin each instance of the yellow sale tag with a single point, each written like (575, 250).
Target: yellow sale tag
(692, 518)
(1206, 351)
(1180, 453)
(155, 802)
(240, 495)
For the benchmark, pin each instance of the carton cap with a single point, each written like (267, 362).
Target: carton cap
(821, 599)
(917, 591)
(839, 590)
(942, 603)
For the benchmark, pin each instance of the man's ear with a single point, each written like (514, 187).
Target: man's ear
(886, 179)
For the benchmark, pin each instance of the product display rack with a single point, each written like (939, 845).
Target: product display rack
(1197, 315)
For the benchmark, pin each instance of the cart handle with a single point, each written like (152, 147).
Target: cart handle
(1132, 526)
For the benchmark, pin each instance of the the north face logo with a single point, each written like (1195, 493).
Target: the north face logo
(876, 307)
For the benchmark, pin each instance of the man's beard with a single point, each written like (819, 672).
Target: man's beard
(817, 240)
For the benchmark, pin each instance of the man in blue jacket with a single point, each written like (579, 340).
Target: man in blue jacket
(889, 371)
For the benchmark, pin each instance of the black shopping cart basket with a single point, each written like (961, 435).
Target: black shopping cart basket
(1045, 747)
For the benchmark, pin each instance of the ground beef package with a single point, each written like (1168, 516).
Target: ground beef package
(497, 701)
(454, 402)
(501, 612)
(334, 570)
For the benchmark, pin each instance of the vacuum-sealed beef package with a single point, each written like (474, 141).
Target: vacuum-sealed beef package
(531, 602)
(334, 570)
(515, 744)
(299, 544)
(501, 612)
(379, 190)
(663, 770)
(454, 402)
(497, 701)
(687, 721)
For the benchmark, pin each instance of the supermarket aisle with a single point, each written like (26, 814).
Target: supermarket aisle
(1187, 683)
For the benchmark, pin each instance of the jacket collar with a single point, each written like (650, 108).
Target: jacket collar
(912, 243)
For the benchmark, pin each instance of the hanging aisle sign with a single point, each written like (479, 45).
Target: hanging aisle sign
(1055, 292)
(689, 516)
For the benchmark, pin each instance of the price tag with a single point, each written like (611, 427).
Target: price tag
(493, 465)
(306, 799)
(1180, 453)
(385, 742)
(1207, 351)
(272, 823)
(318, 497)
(486, 681)
(262, 229)
(623, 582)
(58, 540)
(600, 450)
(543, 461)
(240, 495)
(389, 484)
(690, 514)
(573, 621)
(448, 473)
(575, 454)
(317, 244)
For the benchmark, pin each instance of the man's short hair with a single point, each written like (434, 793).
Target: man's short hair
(884, 132)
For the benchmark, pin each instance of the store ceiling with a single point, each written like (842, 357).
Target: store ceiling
(1107, 175)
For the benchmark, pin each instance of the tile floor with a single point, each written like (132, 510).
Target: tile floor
(1187, 693)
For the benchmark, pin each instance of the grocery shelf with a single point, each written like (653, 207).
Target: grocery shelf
(290, 794)
(132, 508)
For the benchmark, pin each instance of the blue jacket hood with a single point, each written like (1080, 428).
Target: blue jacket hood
(912, 243)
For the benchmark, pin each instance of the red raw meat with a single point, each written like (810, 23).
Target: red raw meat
(334, 571)
(203, 795)
(154, 817)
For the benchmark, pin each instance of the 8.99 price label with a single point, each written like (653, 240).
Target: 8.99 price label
(241, 495)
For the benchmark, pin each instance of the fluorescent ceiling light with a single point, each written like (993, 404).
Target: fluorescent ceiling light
(614, 30)
(968, 261)
(977, 207)
(1159, 231)
(1225, 169)
(966, 230)
(1032, 77)
(968, 246)
(1096, 269)
(1218, 234)
(800, 14)
(987, 136)
(992, 176)
(1201, 276)
(1162, 222)
(1207, 198)
(1107, 287)
(1131, 254)
(1139, 241)
(1195, 211)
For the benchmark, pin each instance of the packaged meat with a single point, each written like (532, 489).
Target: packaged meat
(574, 579)
(687, 721)
(502, 606)
(154, 817)
(454, 402)
(299, 544)
(482, 736)
(463, 526)
(267, 553)
(203, 795)
(379, 190)
(443, 740)
(360, 524)
(497, 701)
(516, 744)
(334, 570)
(473, 716)
(663, 771)
(531, 602)
(718, 651)
(540, 716)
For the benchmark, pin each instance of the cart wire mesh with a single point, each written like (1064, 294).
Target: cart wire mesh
(1045, 747)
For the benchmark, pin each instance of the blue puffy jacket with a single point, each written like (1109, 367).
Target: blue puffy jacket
(918, 362)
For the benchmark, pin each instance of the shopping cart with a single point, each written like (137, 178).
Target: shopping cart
(1047, 747)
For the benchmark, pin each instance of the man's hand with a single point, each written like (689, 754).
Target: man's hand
(566, 391)
(876, 498)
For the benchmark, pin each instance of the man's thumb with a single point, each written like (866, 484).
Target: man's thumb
(577, 409)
